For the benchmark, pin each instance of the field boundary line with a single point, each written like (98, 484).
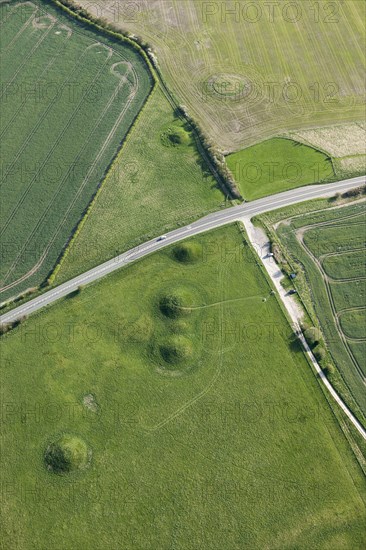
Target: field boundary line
(122, 81)
(80, 224)
(97, 29)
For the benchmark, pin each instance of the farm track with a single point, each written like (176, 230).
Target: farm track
(217, 356)
(300, 237)
(123, 80)
(43, 73)
(130, 78)
(328, 93)
(218, 219)
(41, 120)
(26, 59)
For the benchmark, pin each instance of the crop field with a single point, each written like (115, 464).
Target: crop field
(167, 406)
(330, 245)
(277, 165)
(248, 71)
(157, 183)
(345, 143)
(69, 96)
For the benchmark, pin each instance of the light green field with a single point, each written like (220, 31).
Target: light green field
(154, 186)
(226, 443)
(330, 247)
(69, 97)
(259, 71)
(278, 165)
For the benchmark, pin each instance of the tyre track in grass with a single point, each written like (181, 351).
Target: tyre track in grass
(218, 219)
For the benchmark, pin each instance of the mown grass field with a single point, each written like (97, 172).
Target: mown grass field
(250, 70)
(185, 416)
(156, 185)
(69, 96)
(277, 165)
(330, 245)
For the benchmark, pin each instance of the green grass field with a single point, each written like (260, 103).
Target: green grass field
(278, 165)
(168, 407)
(330, 246)
(249, 71)
(155, 186)
(69, 96)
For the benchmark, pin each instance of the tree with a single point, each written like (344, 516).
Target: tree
(312, 336)
(319, 353)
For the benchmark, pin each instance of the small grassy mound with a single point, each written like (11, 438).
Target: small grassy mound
(176, 349)
(187, 252)
(67, 454)
(176, 303)
(175, 136)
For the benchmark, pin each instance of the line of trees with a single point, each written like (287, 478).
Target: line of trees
(216, 157)
(213, 156)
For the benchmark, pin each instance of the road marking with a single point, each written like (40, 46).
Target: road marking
(211, 221)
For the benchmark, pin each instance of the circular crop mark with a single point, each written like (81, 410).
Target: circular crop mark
(244, 88)
(229, 85)
(67, 454)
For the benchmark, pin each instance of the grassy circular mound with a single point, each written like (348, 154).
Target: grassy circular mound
(176, 303)
(67, 454)
(175, 350)
(187, 252)
(175, 136)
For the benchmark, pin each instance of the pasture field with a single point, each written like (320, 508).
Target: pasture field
(277, 165)
(329, 246)
(248, 71)
(155, 185)
(172, 410)
(69, 96)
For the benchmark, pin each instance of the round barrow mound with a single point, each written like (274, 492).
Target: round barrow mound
(175, 136)
(187, 252)
(67, 454)
(175, 350)
(176, 303)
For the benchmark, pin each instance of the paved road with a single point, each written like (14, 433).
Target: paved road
(211, 221)
(258, 237)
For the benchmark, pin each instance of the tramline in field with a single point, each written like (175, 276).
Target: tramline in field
(69, 96)
(331, 248)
